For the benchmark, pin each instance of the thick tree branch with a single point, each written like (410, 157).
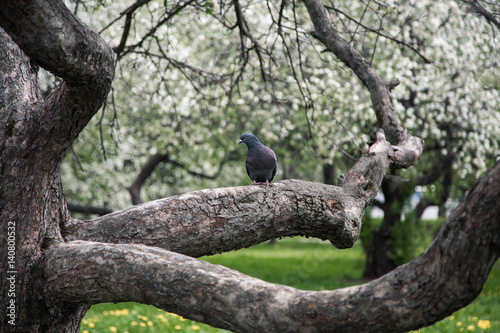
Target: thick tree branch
(62, 44)
(408, 148)
(209, 221)
(446, 277)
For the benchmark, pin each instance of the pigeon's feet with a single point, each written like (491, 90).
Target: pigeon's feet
(262, 183)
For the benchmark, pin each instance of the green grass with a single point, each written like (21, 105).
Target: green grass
(301, 263)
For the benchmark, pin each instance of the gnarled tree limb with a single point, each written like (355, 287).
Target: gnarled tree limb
(209, 221)
(408, 148)
(443, 279)
(62, 44)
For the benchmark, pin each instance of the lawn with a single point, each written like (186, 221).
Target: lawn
(301, 263)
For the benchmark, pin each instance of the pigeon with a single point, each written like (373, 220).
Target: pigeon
(261, 161)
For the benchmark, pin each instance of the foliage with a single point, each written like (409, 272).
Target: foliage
(409, 239)
(300, 263)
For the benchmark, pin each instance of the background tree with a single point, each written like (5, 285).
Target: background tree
(62, 265)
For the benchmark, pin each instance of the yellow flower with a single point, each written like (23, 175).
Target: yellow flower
(91, 325)
(195, 327)
(112, 329)
(85, 331)
(105, 313)
(452, 318)
(150, 323)
(459, 323)
(484, 324)
(162, 318)
(177, 327)
(142, 324)
(475, 318)
(134, 323)
(470, 328)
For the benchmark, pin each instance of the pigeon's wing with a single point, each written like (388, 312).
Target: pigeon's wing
(248, 171)
(270, 164)
(274, 172)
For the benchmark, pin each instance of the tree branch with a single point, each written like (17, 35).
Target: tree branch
(478, 8)
(243, 26)
(60, 43)
(198, 223)
(377, 31)
(446, 277)
(408, 148)
(135, 188)
(76, 208)
(208, 222)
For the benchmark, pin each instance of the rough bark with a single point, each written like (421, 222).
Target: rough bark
(34, 134)
(445, 278)
(211, 221)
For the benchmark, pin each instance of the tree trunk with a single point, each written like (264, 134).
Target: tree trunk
(378, 261)
(34, 135)
(328, 174)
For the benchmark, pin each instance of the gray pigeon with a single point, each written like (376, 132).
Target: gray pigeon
(261, 161)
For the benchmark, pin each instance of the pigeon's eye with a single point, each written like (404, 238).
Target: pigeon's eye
(244, 137)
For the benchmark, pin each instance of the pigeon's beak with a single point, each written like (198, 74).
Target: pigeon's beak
(240, 142)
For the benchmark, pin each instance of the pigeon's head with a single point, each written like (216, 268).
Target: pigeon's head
(249, 139)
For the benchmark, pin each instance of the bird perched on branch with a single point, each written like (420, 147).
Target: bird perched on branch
(261, 161)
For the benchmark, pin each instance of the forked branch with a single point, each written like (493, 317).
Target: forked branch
(408, 148)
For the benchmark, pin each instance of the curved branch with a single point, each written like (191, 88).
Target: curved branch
(209, 221)
(135, 188)
(62, 44)
(243, 26)
(408, 148)
(446, 277)
(167, 17)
